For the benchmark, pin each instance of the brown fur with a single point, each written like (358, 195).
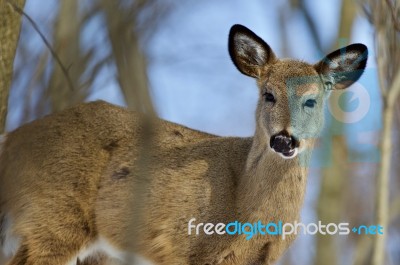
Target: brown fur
(68, 179)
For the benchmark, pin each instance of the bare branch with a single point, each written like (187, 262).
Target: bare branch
(46, 42)
(312, 25)
(396, 22)
(394, 90)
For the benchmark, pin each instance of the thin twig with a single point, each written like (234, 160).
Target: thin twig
(312, 26)
(394, 90)
(48, 45)
(367, 13)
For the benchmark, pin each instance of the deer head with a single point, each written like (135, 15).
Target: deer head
(292, 93)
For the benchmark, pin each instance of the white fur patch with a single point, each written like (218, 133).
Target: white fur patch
(103, 246)
(295, 153)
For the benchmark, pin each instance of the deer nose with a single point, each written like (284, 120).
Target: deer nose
(283, 142)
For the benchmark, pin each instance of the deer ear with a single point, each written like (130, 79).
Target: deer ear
(248, 52)
(343, 67)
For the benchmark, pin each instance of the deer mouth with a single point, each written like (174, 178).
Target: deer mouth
(289, 154)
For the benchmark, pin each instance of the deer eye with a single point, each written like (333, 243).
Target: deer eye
(328, 85)
(310, 103)
(269, 97)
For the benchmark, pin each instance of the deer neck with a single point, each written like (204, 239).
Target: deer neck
(269, 181)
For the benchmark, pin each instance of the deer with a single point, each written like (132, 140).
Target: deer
(69, 182)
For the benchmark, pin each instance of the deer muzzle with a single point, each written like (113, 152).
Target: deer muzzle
(284, 144)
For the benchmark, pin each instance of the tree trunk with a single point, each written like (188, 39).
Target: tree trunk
(382, 184)
(10, 25)
(330, 200)
(387, 26)
(66, 39)
(130, 61)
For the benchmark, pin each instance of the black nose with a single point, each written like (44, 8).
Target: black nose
(283, 142)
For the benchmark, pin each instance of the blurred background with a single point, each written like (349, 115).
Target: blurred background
(170, 58)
